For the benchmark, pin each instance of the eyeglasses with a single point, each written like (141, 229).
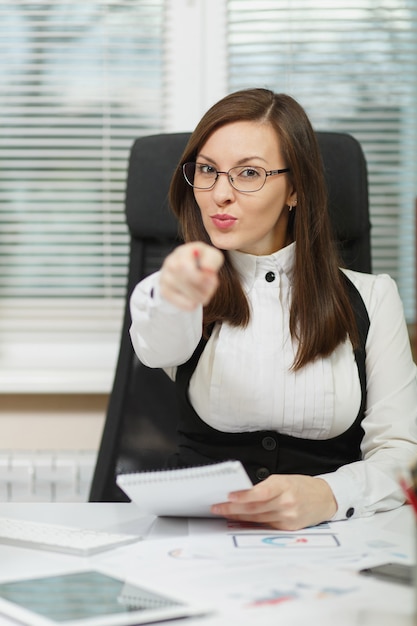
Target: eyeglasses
(242, 178)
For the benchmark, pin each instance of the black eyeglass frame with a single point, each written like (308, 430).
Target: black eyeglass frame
(218, 172)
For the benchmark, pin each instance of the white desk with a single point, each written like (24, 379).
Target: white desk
(248, 579)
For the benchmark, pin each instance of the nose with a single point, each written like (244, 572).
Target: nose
(223, 190)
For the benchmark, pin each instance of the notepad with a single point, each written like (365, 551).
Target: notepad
(187, 492)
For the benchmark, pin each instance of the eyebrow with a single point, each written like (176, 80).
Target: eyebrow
(240, 162)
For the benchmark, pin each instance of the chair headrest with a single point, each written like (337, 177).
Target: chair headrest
(347, 183)
(153, 160)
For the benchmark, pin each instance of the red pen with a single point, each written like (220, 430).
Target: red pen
(197, 259)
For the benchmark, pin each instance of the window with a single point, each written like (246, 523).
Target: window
(79, 81)
(353, 66)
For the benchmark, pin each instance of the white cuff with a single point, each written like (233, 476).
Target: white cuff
(346, 493)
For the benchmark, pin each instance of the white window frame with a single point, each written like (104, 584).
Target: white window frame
(71, 346)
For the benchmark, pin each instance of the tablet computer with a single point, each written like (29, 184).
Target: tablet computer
(88, 598)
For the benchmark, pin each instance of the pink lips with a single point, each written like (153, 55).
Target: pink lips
(223, 221)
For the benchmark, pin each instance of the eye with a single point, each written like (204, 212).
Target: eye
(249, 172)
(205, 169)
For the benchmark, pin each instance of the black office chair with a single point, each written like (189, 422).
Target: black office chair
(140, 427)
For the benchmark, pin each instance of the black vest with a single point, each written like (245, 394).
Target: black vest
(269, 452)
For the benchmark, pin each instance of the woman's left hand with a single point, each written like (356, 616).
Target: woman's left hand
(284, 502)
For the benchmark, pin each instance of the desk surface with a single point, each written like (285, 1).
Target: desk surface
(246, 575)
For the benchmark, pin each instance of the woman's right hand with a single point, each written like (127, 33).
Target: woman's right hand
(189, 275)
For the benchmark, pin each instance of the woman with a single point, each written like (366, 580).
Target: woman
(281, 359)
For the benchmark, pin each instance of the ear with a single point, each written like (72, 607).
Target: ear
(292, 199)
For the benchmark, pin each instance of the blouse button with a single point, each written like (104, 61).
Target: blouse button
(350, 512)
(269, 443)
(270, 277)
(262, 473)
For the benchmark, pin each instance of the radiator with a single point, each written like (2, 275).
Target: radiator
(46, 476)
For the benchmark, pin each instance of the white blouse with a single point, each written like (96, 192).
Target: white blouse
(244, 383)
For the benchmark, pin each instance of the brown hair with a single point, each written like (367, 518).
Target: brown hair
(321, 315)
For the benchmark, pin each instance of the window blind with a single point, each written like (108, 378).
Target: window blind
(352, 64)
(78, 82)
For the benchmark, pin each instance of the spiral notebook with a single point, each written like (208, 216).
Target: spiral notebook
(187, 492)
